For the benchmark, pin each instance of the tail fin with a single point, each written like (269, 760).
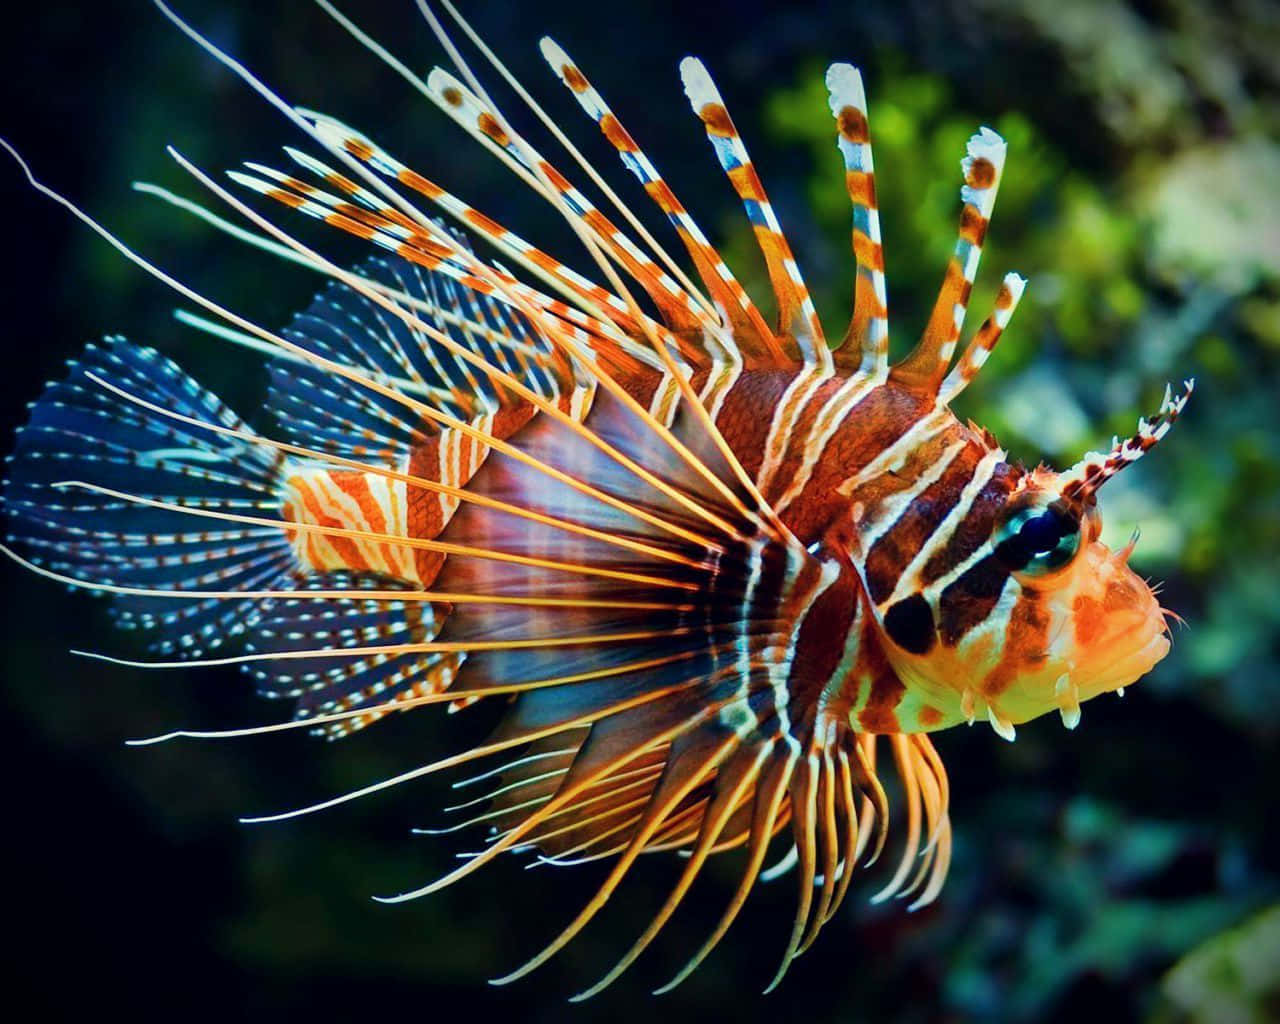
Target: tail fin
(114, 497)
(83, 438)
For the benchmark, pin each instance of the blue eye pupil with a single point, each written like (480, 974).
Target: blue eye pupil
(1038, 540)
(1040, 534)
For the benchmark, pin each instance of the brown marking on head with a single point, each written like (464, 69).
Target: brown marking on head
(852, 123)
(968, 601)
(453, 96)
(1090, 620)
(717, 120)
(1121, 593)
(1004, 300)
(1026, 640)
(981, 174)
(929, 716)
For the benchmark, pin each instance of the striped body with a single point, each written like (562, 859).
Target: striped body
(708, 566)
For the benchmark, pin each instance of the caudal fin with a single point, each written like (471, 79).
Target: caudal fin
(102, 491)
(115, 486)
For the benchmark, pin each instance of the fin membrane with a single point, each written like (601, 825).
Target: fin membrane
(81, 432)
(325, 684)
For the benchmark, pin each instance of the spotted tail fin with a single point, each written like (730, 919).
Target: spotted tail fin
(84, 436)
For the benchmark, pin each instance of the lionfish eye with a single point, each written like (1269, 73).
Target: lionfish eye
(1037, 539)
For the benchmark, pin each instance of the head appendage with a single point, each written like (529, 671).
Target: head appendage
(982, 165)
(1079, 484)
(866, 343)
(796, 314)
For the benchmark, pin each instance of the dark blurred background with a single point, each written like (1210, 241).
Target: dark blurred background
(1124, 870)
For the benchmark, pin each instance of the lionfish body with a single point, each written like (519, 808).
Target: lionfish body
(711, 566)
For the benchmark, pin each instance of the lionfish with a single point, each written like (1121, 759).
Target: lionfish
(711, 566)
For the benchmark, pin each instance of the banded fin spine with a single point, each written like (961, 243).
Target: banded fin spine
(796, 314)
(750, 332)
(594, 331)
(470, 112)
(982, 167)
(1081, 482)
(984, 342)
(866, 343)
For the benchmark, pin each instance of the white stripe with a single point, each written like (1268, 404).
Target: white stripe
(895, 456)
(790, 406)
(833, 413)
(896, 504)
(908, 581)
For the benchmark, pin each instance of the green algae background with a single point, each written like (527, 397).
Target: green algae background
(1128, 870)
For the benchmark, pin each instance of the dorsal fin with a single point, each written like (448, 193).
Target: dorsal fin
(983, 164)
(750, 332)
(865, 345)
(796, 315)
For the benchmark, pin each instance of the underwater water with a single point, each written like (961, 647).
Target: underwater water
(1129, 868)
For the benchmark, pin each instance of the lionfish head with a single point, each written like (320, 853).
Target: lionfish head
(1049, 615)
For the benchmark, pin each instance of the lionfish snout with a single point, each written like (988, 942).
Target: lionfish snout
(1114, 632)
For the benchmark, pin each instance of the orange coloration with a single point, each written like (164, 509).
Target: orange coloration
(708, 566)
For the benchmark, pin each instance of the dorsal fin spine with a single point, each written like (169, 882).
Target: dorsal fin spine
(866, 343)
(982, 165)
(796, 314)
